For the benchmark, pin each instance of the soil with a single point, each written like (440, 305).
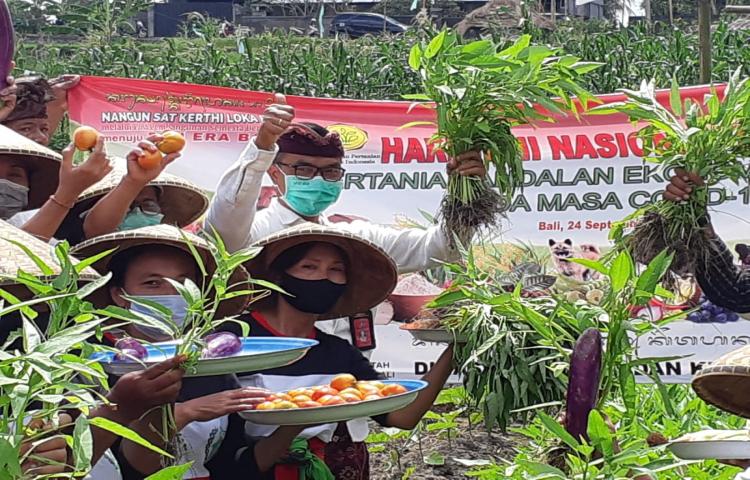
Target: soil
(465, 444)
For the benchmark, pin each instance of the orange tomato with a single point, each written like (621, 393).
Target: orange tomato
(374, 396)
(301, 398)
(351, 391)
(323, 392)
(345, 380)
(351, 397)
(265, 406)
(150, 160)
(84, 138)
(309, 404)
(279, 396)
(284, 405)
(392, 389)
(367, 388)
(173, 142)
(331, 400)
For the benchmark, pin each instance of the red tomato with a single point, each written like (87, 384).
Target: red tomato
(392, 389)
(322, 392)
(343, 381)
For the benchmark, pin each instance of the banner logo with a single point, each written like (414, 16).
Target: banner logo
(352, 137)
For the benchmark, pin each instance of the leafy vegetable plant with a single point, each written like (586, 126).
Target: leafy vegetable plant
(479, 92)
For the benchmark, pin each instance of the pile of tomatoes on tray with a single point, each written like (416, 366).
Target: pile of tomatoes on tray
(342, 390)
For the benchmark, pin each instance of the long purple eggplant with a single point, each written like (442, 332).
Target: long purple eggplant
(7, 43)
(583, 382)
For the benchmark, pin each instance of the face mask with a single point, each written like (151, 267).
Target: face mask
(310, 197)
(175, 303)
(312, 296)
(137, 219)
(14, 198)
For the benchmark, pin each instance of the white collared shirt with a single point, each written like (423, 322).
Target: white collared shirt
(233, 214)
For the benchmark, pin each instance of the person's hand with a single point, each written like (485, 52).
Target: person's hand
(136, 393)
(143, 176)
(8, 96)
(223, 403)
(681, 185)
(49, 457)
(60, 86)
(468, 164)
(276, 119)
(75, 179)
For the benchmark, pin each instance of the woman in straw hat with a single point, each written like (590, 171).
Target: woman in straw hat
(135, 393)
(34, 177)
(134, 202)
(145, 258)
(168, 199)
(328, 273)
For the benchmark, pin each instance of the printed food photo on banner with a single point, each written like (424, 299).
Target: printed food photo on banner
(374, 241)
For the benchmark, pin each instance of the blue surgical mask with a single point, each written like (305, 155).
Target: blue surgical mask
(137, 218)
(309, 197)
(175, 303)
(14, 198)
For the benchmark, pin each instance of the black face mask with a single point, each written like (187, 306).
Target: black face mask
(311, 296)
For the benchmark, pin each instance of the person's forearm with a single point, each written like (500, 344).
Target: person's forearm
(408, 417)
(232, 209)
(55, 113)
(151, 428)
(47, 220)
(110, 211)
(271, 450)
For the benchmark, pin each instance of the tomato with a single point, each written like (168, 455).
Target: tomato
(373, 397)
(279, 396)
(392, 389)
(351, 397)
(85, 138)
(284, 405)
(351, 391)
(150, 160)
(331, 400)
(367, 388)
(301, 391)
(345, 380)
(322, 392)
(301, 398)
(173, 142)
(265, 406)
(309, 404)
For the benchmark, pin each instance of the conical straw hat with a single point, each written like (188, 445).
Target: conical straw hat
(725, 382)
(182, 202)
(371, 273)
(14, 259)
(44, 164)
(162, 235)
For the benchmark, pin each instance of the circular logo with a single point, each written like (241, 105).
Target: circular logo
(353, 138)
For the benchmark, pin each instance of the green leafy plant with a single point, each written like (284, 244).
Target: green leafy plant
(480, 91)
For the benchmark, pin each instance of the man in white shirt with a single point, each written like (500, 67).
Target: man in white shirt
(304, 161)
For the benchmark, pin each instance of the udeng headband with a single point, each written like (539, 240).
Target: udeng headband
(299, 139)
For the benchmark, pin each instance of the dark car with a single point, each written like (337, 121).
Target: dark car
(358, 24)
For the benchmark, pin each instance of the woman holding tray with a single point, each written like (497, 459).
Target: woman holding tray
(328, 273)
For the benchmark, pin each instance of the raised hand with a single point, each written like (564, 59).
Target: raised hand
(74, 179)
(143, 176)
(276, 119)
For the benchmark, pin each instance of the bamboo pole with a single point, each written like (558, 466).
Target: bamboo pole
(704, 39)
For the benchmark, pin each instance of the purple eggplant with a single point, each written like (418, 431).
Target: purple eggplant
(221, 344)
(583, 382)
(130, 350)
(7, 44)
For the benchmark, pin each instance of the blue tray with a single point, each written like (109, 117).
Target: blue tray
(338, 413)
(258, 353)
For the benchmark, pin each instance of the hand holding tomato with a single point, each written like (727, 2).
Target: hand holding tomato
(210, 407)
(146, 162)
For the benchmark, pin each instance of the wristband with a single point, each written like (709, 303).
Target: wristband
(59, 203)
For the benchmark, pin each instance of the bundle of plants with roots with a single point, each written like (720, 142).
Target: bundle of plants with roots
(479, 91)
(707, 138)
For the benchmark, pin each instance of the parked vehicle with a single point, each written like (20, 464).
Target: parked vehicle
(355, 25)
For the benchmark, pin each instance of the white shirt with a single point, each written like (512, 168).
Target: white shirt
(19, 219)
(743, 475)
(233, 214)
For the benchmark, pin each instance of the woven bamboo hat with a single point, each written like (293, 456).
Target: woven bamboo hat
(14, 259)
(371, 273)
(162, 235)
(725, 382)
(44, 164)
(182, 202)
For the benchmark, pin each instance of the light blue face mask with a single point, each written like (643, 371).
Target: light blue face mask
(309, 197)
(175, 303)
(136, 218)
